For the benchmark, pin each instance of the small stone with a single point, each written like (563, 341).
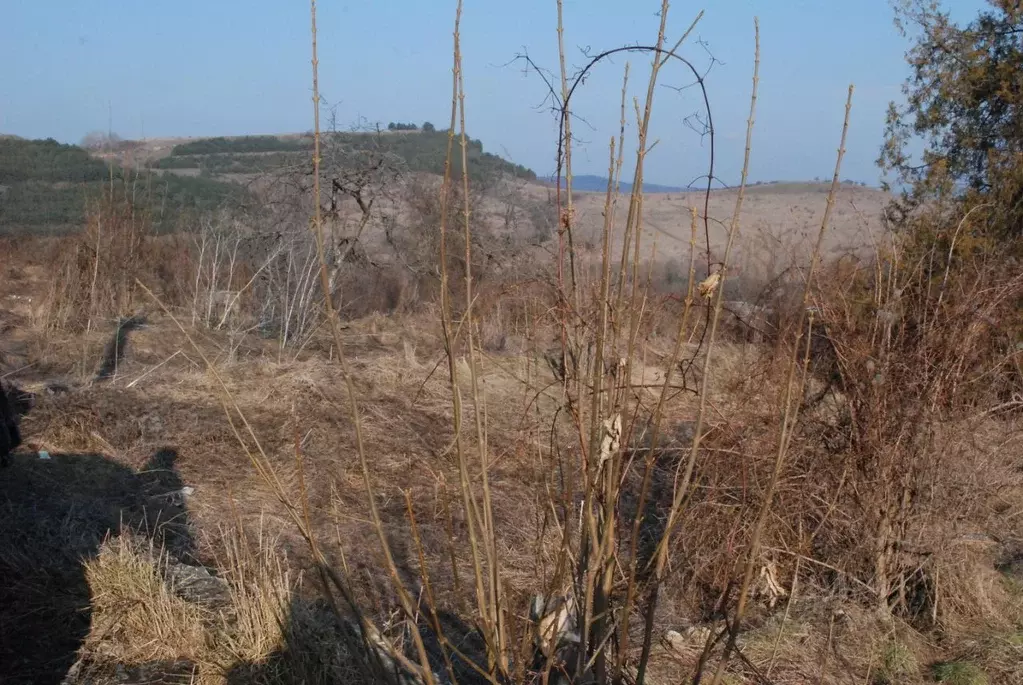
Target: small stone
(693, 637)
(197, 585)
(675, 640)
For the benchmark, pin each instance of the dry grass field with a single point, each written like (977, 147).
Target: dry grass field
(93, 533)
(375, 425)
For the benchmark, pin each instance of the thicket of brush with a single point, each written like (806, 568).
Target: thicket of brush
(863, 463)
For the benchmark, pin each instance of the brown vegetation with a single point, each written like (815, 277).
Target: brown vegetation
(410, 445)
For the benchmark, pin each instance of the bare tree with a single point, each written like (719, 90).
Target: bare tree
(100, 140)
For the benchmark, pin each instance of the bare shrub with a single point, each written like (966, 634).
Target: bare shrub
(415, 242)
(918, 371)
(370, 289)
(96, 272)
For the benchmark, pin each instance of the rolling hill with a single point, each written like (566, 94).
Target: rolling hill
(418, 151)
(587, 183)
(45, 185)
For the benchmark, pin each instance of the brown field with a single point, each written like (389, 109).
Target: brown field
(780, 219)
(357, 419)
(357, 423)
(259, 431)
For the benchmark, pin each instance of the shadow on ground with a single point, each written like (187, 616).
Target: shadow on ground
(320, 648)
(54, 514)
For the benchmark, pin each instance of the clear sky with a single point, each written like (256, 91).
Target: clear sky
(228, 67)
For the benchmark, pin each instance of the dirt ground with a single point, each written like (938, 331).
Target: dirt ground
(164, 447)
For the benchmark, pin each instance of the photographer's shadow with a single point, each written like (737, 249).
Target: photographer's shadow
(54, 514)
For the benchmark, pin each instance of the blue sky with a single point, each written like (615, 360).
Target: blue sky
(227, 67)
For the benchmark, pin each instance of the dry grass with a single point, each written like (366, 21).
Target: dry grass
(136, 617)
(94, 273)
(836, 503)
(405, 409)
(256, 629)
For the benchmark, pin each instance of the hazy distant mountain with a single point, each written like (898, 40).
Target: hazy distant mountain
(587, 182)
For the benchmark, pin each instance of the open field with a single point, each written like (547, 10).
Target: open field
(775, 220)
(121, 451)
(385, 407)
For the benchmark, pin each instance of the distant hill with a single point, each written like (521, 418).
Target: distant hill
(590, 183)
(44, 186)
(421, 151)
(242, 145)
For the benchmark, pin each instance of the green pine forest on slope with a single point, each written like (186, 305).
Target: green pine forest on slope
(45, 185)
(420, 151)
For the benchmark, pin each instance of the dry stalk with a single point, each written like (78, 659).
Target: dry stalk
(598, 603)
(95, 272)
(676, 355)
(599, 421)
(784, 619)
(424, 574)
(566, 210)
(636, 201)
(791, 412)
(597, 599)
(682, 486)
(495, 622)
(570, 343)
(425, 672)
(486, 610)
